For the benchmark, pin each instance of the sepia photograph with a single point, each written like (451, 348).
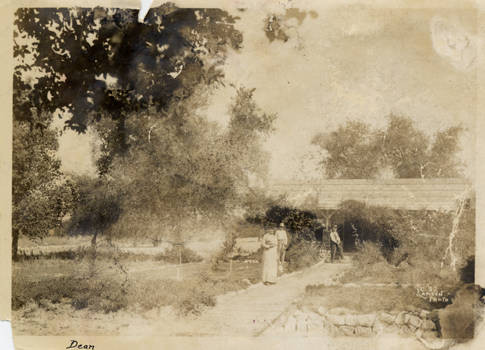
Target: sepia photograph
(286, 170)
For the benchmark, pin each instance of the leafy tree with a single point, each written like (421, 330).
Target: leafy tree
(183, 167)
(351, 151)
(96, 64)
(404, 147)
(41, 195)
(442, 159)
(355, 150)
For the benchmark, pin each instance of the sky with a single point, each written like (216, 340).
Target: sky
(341, 63)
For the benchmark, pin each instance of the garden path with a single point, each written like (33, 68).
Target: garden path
(249, 312)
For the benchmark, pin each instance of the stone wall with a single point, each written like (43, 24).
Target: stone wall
(343, 322)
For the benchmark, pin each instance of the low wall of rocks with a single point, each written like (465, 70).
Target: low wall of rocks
(342, 322)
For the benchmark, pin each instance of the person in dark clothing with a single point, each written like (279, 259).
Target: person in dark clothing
(335, 245)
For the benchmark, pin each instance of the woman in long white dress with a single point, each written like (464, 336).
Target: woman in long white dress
(270, 257)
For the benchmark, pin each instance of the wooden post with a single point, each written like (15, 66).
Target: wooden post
(180, 264)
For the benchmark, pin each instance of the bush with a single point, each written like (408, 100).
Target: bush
(106, 295)
(300, 224)
(369, 253)
(302, 254)
(86, 253)
(189, 296)
(175, 254)
(225, 252)
(195, 302)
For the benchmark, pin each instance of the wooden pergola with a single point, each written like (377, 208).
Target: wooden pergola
(324, 197)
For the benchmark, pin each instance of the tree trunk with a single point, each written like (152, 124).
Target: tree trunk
(92, 264)
(15, 244)
(93, 240)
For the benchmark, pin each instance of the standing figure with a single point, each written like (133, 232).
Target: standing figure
(335, 244)
(270, 257)
(282, 239)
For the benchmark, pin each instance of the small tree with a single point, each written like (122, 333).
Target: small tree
(41, 195)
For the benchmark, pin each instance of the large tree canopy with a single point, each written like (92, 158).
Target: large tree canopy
(355, 150)
(100, 66)
(75, 52)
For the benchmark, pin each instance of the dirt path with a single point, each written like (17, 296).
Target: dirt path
(251, 311)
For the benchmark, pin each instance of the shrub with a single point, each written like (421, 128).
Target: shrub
(363, 299)
(86, 253)
(189, 296)
(225, 252)
(195, 302)
(302, 254)
(369, 253)
(175, 254)
(300, 224)
(105, 295)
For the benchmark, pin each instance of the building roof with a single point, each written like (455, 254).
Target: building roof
(410, 194)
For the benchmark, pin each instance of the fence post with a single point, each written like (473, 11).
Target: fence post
(179, 264)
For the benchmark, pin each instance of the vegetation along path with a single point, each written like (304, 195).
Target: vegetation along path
(253, 310)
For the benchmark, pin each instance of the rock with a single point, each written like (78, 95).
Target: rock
(337, 320)
(246, 281)
(315, 325)
(363, 331)
(290, 325)
(424, 314)
(366, 320)
(313, 315)
(428, 325)
(400, 318)
(339, 311)
(331, 330)
(321, 310)
(301, 325)
(403, 329)
(351, 320)
(378, 327)
(412, 328)
(429, 335)
(346, 330)
(387, 318)
(414, 321)
(406, 318)
(411, 309)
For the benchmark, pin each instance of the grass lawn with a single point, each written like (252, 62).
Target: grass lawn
(135, 285)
